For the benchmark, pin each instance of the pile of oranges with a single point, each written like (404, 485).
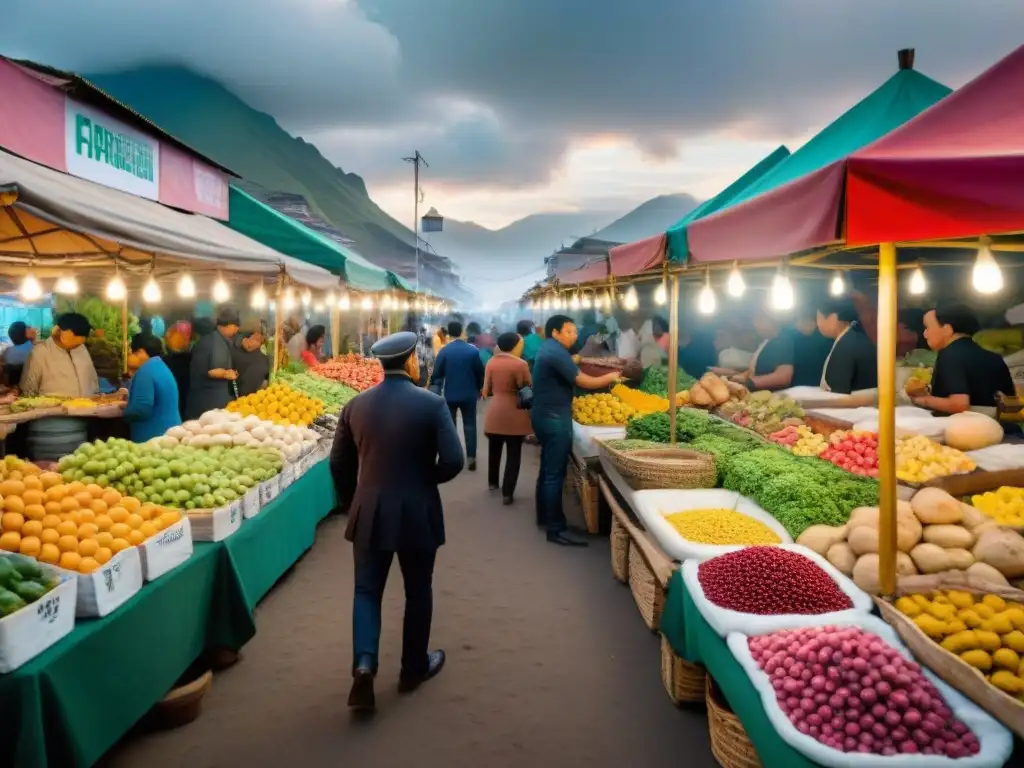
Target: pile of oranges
(71, 525)
(280, 404)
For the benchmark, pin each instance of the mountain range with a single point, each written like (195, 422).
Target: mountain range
(273, 163)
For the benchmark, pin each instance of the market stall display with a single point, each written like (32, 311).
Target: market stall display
(228, 428)
(970, 431)
(643, 402)
(280, 404)
(355, 371)
(36, 609)
(655, 381)
(763, 412)
(801, 440)
(645, 464)
(600, 410)
(1005, 505)
(919, 460)
(334, 395)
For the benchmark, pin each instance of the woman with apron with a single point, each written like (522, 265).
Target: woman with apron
(211, 372)
(852, 365)
(771, 367)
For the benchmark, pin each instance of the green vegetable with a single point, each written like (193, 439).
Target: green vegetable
(690, 423)
(9, 602)
(27, 568)
(655, 381)
(30, 591)
(627, 446)
(334, 394)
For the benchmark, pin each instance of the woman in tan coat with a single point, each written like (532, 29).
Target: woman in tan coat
(506, 424)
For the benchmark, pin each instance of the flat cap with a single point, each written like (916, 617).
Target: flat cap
(395, 348)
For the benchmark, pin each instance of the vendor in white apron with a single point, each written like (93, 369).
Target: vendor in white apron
(966, 377)
(852, 365)
(771, 367)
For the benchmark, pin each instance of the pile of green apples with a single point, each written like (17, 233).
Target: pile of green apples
(180, 477)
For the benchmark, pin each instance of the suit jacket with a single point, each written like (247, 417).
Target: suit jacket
(458, 372)
(394, 445)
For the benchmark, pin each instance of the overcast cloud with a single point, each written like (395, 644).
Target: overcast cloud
(500, 94)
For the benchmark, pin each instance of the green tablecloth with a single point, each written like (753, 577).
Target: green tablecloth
(68, 706)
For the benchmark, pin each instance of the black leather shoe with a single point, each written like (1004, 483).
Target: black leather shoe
(361, 697)
(471, 465)
(508, 501)
(435, 661)
(566, 539)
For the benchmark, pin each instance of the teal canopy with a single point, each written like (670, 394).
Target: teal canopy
(262, 223)
(676, 243)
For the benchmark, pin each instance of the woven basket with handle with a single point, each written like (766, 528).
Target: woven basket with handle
(729, 742)
(668, 467)
(684, 681)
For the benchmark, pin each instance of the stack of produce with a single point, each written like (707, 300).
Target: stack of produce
(1005, 506)
(628, 445)
(769, 581)
(22, 582)
(600, 410)
(1002, 341)
(353, 370)
(713, 391)
(850, 690)
(721, 527)
(986, 632)
(802, 440)
(934, 533)
(655, 381)
(334, 395)
(225, 428)
(644, 403)
(919, 460)
(280, 404)
(856, 452)
(74, 525)
(763, 412)
(657, 427)
(969, 431)
(179, 477)
(23, 404)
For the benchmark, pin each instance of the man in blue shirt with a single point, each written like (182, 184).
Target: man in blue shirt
(555, 377)
(459, 375)
(152, 406)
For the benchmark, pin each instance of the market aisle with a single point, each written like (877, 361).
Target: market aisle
(549, 663)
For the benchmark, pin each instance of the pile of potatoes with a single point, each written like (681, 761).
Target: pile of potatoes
(934, 533)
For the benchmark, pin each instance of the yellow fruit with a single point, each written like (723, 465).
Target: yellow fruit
(135, 537)
(118, 514)
(990, 641)
(103, 522)
(88, 565)
(10, 541)
(995, 602)
(70, 560)
(907, 607)
(120, 530)
(110, 497)
(11, 521)
(32, 528)
(103, 538)
(134, 521)
(67, 528)
(50, 480)
(119, 545)
(1006, 659)
(49, 536)
(970, 617)
(52, 508)
(1014, 641)
(147, 529)
(132, 504)
(56, 493)
(68, 544)
(33, 497)
(69, 504)
(88, 547)
(50, 553)
(103, 555)
(978, 659)
(87, 531)
(11, 488)
(30, 546)
(960, 599)
(1008, 682)
(84, 498)
(98, 507)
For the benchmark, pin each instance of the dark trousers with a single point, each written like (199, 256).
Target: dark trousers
(468, 409)
(555, 436)
(495, 443)
(371, 575)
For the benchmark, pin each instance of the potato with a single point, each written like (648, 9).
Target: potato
(973, 517)
(819, 538)
(904, 565)
(700, 396)
(865, 574)
(962, 559)
(908, 529)
(948, 536)
(931, 558)
(842, 557)
(933, 506)
(863, 516)
(863, 540)
(987, 573)
(1003, 549)
(716, 387)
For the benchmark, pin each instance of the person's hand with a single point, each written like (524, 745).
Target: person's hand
(216, 373)
(483, 394)
(230, 375)
(723, 371)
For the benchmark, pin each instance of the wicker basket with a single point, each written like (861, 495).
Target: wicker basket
(729, 742)
(663, 467)
(584, 485)
(685, 682)
(182, 705)
(648, 594)
(620, 551)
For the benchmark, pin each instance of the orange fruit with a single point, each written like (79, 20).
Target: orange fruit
(30, 546)
(132, 504)
(147, 529)
(103, 555)
(14, 504)
(118, 514)
(134, 521)
(68, 544)
(120, 530)
(88, 547)
(35, 511)
(49, 536)
(158, 522)
(171, 516)
(68, 528)
(56, 492)
(69, 504)
(86, 516)
(103, 538)
(110, 497)
(51, 521)
(98, 506)
(119, 545)
(11, 521)
(75, 487)
(53, 508)
(49, 553)
(33, 496)
(70, 560)
(74, 517)
(103, 522)
(87, 531)
(88, 565)
(30, 469)
(33, 484)
(10, 541)
(32, 528)
(84, 498)
(135, 538)
(96, 491)
(11, 488)
(16, 475)
(51, 480)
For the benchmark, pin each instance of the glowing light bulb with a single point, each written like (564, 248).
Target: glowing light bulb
(116, 290)
(918, 284)
(706, 301)
(735, 286)
(546, 305)
(782, 292)
(186, 286)
(367, 303)
(631, 301)
(259, 298)
(67, 285)
(837, 286)
(585, 301)
(151, 293)
(289, 300)
(318, 307)
(306, 297)
(221, 292)
(661, 294)
(986, 276)
(574, 302)
(31, 289)
(405, 305)
(607, 300)
(331, 299)
(344, 302)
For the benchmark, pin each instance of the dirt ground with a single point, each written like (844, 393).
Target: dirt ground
(549, 663)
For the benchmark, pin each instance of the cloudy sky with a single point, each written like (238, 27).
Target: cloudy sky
(532, 105)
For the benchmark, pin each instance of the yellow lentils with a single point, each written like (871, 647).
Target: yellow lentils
(723, 527)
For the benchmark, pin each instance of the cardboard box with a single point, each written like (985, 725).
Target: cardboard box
(167, 550)
(29, 631)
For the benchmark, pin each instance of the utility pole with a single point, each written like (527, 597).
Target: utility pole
(417, 160)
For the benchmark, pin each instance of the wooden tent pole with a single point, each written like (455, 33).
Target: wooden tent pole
(673, 356)
(278, 322)
(887, 417)
(124, 333)
(335, 331)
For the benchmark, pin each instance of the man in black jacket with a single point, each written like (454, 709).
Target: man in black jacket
(395, 444)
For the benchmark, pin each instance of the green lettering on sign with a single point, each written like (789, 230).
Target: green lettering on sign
(118, 150)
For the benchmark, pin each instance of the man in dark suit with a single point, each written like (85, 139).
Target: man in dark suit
(459, 374)
(395, 444)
